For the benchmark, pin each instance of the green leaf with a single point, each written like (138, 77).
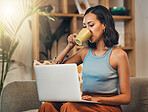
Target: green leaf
(13, 48)
(62, 29)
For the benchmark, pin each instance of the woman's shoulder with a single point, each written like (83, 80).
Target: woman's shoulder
(83, 51)
(119, 52)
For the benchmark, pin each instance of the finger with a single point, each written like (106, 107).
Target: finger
(70, 37)
(72, 40)
(75, 34)
(86, 97)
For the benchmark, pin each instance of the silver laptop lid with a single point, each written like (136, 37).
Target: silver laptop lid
(57, 82)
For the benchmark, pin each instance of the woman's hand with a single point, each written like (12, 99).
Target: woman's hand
(71, 39)
(90, 98)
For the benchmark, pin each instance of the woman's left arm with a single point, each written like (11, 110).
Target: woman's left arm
(124, 83)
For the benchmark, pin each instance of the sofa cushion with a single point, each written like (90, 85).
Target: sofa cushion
(19, 96)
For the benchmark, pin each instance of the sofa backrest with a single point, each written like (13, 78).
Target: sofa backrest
(19, 96)
(139, 95)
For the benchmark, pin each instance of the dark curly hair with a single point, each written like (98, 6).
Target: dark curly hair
(111, 36)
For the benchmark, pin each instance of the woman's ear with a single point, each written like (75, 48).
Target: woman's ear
(103, 26)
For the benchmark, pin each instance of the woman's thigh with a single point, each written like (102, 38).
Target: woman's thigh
(88, 107)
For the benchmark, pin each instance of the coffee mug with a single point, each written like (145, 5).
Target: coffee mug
(83, 36)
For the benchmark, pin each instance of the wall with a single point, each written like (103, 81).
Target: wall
(141, 23)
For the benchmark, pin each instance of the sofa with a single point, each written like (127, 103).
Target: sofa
(21, 96)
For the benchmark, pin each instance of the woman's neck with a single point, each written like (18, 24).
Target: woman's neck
(100, 49)
(100, 46)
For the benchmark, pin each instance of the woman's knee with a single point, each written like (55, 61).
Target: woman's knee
(47, 107)
(47, 104)
(68, 107)
(67, 104)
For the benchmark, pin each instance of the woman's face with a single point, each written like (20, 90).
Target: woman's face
(91, 22)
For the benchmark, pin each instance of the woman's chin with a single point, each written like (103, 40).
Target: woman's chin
(91, 41)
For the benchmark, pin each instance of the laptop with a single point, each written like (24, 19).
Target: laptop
(58, 83)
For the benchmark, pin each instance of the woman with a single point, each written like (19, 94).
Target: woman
(105, 67)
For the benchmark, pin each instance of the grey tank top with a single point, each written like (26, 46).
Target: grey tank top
(98, 75)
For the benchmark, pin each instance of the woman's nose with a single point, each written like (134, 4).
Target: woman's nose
(88, 29)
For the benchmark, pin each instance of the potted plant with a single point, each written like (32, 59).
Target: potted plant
(9, 28)
(47, 38)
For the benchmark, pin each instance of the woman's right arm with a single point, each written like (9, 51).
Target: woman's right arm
(62, 55)
(76, 58)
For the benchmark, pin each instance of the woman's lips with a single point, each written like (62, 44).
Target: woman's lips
(90, 39)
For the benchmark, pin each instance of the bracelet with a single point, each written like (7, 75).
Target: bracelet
(55, 61)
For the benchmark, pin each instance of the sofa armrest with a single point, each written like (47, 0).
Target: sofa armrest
(19, 96)
(139, 95)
